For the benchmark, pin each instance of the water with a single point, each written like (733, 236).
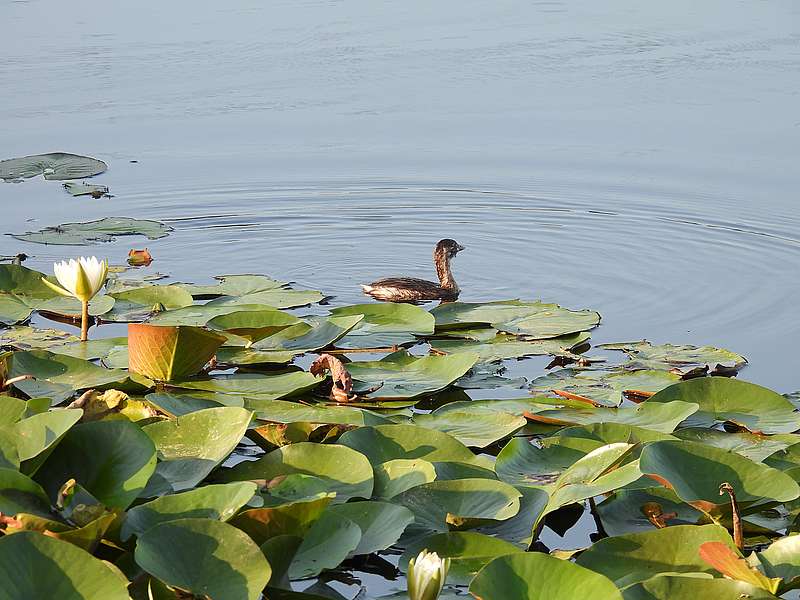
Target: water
(633, 158)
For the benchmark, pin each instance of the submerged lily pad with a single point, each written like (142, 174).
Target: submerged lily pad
(645, 355)
(504, 346)
(56, 165)
(86, 189)
(102, 230)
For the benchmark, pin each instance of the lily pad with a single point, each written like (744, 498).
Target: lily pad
(38, 435)
(536, 320)
(21, 494)
(381, 523)
(468, 552)
(645, 355)
(695, 471)
(536, 576)
(282, 411)
(278, 297)
(210, 502)
(235, 285)
(629, 559)
(168, 353)
(86, 189)
(106, 229)
(694, 587)
(190, 446)
(116, 475)
(253, 324)
(402, 375)
(388, 442)
(663, 417)
(55, 563)
(471, 429)
(385, 324)
(205, 557)
(504, 346)
(325, 545)
(347, 472)
(55, 165)
(396, 476)
(758, 409)
(255, 386)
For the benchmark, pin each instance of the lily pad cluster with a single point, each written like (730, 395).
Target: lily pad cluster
(199, 457)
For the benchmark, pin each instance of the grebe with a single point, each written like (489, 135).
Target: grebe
(411, 289)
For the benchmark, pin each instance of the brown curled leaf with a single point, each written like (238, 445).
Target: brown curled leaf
(140, 258)
(342, 390)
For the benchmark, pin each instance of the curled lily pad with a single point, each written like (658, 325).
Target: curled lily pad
(102, 230)
(401, 375)
(168, 353)
(55, 165)
(536, 576)
(205, 557)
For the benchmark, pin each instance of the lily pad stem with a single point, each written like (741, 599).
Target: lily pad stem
(738, 538)
(84, 321)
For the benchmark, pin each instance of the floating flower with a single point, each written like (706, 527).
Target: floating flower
(80, 279)
(426, 575)
(140, 258)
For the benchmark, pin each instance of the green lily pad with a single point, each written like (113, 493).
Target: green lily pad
(278, 297)
(177, 405)
(663, 417)
(645, 355)
(471, 429)
(86, 189)
(599, 472)
(209, 502)
(381, 523)
(536, 320)
(282, 411)
(197, 315)
(254, 385)
(205, 557)
(55, 564)
(603, 387)
(21, 494)
(623, 511)
(326, 544)
(440, 504)
(190, 446)
(286, 518)
(521, 463)
(114, 475)
(171, 296)
(468, 552)
(388, 442)
(313, 335)
(536, 576)
(396, 476)
(253, 324)
(504, 346)
(752, 446)
(235, 285)
(781, 559)
(721, 399)
(347, 472)
(106, 229)
(38, 435)
(695, 471)
(55, 165)
(385, 324)
(694, 587)
(402, 375)
(636, 557)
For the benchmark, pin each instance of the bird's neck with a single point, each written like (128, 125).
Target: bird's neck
(446, 279)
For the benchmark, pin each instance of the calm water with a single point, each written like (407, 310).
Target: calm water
(635, 158)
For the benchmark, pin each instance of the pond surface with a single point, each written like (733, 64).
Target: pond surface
(637, 159)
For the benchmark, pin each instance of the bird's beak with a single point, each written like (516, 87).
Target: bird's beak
(459, 248)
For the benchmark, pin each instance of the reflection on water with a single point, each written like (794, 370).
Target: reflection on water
(635, 158)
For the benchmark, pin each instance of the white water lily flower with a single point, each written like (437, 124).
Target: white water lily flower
(81, 278)
(426, 575)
